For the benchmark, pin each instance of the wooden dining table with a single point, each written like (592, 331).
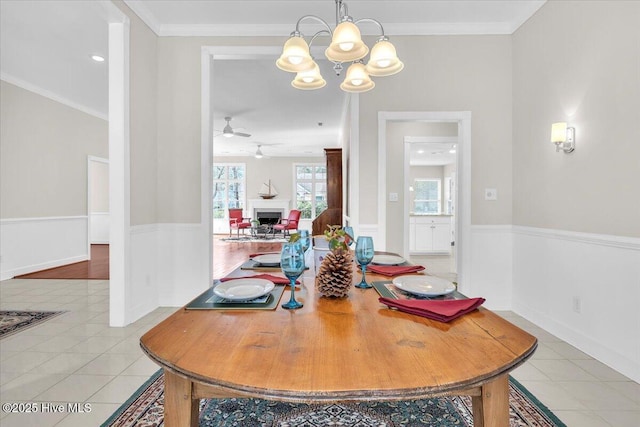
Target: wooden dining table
(335, 350)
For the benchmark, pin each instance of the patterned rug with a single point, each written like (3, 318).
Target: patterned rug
(12, 322)
(145, 408)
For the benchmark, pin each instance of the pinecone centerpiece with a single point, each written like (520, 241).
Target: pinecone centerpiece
(335, 275)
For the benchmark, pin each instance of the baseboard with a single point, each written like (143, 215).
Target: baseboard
(39, 267)
(585, 343)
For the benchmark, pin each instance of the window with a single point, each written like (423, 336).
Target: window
(228, 188)
(427, 196)
(311, 189)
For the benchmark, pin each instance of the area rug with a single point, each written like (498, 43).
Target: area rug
(145, 408)
(12, 322)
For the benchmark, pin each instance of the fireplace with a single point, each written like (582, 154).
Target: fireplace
(268, 216)
(267, 208)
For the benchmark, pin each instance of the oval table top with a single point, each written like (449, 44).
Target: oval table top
(336, 349)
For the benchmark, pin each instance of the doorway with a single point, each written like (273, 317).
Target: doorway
(395, 234)
(430, 175)
(220, 99)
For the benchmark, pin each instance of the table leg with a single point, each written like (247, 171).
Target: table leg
(180, 408)
(491, 408)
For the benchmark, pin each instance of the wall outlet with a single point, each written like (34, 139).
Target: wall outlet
(490, 194)
(393, 197)
(576, 304)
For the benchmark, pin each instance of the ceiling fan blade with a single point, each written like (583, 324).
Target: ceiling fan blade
(246, 135)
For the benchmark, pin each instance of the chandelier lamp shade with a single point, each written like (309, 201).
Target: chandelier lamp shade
(346, 47)
(357, 79)
(310, 79)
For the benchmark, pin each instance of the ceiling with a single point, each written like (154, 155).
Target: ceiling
(45, 46)
(432, 153)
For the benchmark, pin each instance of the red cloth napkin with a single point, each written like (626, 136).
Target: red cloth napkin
(277, 280)
(440, 310)
(394, 270)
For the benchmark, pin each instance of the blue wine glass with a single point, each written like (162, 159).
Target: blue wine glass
(292, 265)
(364, 255)
(305, 240)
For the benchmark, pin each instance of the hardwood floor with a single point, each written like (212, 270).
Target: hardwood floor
(96, 269)
(229, 255)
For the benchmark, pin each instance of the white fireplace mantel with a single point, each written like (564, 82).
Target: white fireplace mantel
(253, 205)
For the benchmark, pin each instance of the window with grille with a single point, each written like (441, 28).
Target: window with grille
(228, 188)
(311, 189)
(427, 196)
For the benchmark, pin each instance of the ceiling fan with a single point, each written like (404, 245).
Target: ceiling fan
(259, 154)
(229, 132)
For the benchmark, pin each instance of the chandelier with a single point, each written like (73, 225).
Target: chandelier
(346, 46)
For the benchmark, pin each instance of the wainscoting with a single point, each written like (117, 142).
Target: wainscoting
(168, 268)
(33, 244)
(583, 288)
(99, 223)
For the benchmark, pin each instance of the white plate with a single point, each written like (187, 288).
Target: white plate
(243, 289)
(388, 259)
(268, 259)
(427, 286)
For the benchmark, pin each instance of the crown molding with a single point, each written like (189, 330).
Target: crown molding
(53, 96)
(139, 8)
(244, 30)
(533, 7)
(401, 29)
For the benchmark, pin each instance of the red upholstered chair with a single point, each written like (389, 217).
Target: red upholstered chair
(237, 221)
(290, 223)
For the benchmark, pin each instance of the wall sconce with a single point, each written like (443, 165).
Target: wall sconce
(564, 137)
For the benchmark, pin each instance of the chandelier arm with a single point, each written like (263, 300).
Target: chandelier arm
(315, 18)
(318, 34)
(374, 21)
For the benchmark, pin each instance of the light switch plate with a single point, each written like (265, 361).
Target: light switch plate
(393, 197)
(490, 194)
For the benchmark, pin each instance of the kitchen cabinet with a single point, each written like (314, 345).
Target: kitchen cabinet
(430, 234)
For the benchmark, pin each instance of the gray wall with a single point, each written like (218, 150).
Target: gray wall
(43, 153)
(452, 73)
(278, 169)
(144, 153)
(448, 73)
(578, 62)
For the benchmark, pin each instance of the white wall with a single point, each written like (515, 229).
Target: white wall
(576, 234)
(99, 220)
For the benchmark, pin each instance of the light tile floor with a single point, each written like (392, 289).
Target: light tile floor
(77, 358)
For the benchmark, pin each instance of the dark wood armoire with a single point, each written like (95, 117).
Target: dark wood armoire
(333, 214)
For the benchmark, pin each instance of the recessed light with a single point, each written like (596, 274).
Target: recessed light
(420, 151)
(97, 58)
